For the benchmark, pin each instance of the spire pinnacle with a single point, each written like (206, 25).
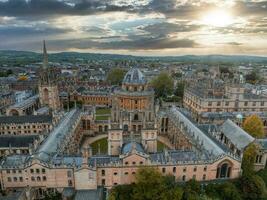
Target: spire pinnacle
(45, 56)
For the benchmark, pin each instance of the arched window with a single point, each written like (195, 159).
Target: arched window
(125, 127)
(224, 171)
(136, 117)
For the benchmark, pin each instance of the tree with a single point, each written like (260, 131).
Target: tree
(192, 190)
(253, 77)
(121, 192)
(252, 187)
(254, 126)
(147, 179)
(115, 76)
(179, 91)
(163, 85)
(249, 159)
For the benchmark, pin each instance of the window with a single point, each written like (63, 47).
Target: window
(246, 103)
(32, 171)
(43, 171)
(14, 171)
(195, 169)
(115, 173)
(115, 183)
(70, 183)
(32, 178)
(20, 179)
(174, 169)
(227, 103)
(184, 169)
(218, 103)
(262, 103)
(210, 103)
(69, 173)
(8, 171)
(103, 181)
(37, 171)
(163, 170)
(204, 177)
(184, 178)
(133, 172)
(126, 173)
(38, 178)
(19, 171)
(15, 179)
(103, 172)
(254, 104)
(134, 163)
(141, 162)
(126, 163)
(8, 179)
(205, 169)
(44, 178)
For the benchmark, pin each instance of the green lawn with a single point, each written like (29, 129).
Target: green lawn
(161, 146)
(103, 111)
(103, 146)
(101, 117)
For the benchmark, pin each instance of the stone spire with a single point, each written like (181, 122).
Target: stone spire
(45, 56)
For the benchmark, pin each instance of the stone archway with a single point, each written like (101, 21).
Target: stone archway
(13, 112)
(224, 169)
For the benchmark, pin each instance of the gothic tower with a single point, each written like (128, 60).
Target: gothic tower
(48, 89)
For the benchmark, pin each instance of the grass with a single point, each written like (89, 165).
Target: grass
(161, 146)
(103, 146)
(103, 111)
(101, 117)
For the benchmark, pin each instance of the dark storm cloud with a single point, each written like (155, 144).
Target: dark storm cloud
(139, 44)
(30, 31)
(23, 8)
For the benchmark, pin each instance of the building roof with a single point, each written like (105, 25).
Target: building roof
(128, 147)
(89, 194)
(195, 133)
(7, 141)
(134, 76)
(53, 143)
(25, 103)
(26, 119)
(237, 135)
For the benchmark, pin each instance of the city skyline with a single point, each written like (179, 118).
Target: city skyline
(147, 27)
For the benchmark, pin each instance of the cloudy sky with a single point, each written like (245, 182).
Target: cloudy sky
(138, 27)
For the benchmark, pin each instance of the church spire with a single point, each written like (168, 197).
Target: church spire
(45, 56)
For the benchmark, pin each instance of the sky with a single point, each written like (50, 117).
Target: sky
(136, 27)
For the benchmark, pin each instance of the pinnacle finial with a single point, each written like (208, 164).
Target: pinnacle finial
(45, 56)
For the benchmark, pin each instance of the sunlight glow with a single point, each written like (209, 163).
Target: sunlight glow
(218, 18)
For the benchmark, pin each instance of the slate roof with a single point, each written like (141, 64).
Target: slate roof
(89, 194)
(26, 119)
(237, 135)
(134, 76)
(17, 140)
(129, 146)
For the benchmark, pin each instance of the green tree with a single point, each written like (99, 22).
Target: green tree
(121, 192)
(163, 85)
(115, 76)
(252, 187)
(147, 179)
(252, 77)
(179, 91)
(254, 126)
(249, 159)
(228, 191)
(192, 190)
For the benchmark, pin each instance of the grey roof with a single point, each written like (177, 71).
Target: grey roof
(128, 147)
(237, 135)
(26, 103)
(263, 143)
(53, 142)
(195, 132)
(26, 119)
(134, 76)
(89, 194)
(17, 140)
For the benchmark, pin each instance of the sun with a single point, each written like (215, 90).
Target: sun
(217, 18)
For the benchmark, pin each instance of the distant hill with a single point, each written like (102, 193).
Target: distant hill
(25, 57)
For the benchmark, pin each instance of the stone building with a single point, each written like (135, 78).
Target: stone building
(48, 89)
(133, 113)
